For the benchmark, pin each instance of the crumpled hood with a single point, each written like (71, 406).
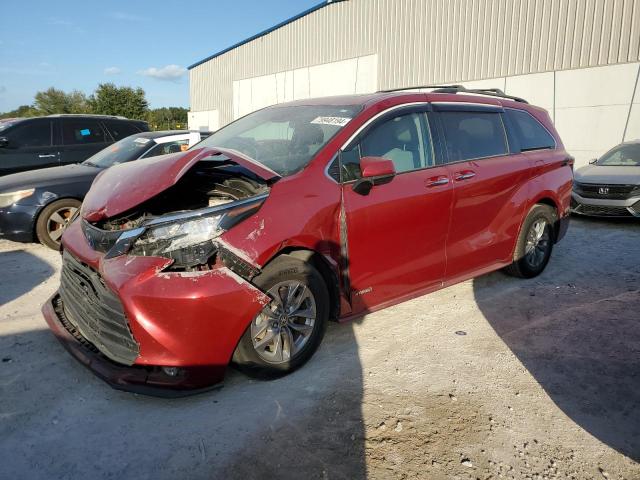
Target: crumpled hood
(608, 175)
(124, 186)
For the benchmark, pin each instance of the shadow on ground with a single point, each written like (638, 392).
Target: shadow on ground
(23, 271)
(577, 331)
(305, 425)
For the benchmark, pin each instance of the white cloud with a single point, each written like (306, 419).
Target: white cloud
(112, 71)
(171, 73)
(60, 21)
(127, 17)
(44, 64)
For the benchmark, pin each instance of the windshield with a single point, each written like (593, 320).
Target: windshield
(127, 149)
(621, 156)
(285, 139)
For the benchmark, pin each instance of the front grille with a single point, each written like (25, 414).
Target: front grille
(96, 311)
(613, 192)
(602, 210)
(636, 207)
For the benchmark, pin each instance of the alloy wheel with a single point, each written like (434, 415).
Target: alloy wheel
(58, 222)
(538, 243)
(284, 326)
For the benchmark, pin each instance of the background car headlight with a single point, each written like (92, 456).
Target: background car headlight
(188, 242)
(10, 198)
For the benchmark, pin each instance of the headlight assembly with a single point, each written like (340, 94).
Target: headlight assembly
(185, 237)
(7, 199)
(187, 242)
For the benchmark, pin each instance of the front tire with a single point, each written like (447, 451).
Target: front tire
(288, 331)
(53, 221)
(535, 243)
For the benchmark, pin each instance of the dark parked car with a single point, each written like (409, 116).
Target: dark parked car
(610, 185)
(245, 246)
(39, 204)
(30, 143)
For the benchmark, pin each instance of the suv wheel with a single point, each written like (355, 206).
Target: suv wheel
(53, 221)
(535, 243)
(287, 332)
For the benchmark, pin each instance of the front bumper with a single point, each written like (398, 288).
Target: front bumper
(17, 222)
(189, 321)
(596, 207)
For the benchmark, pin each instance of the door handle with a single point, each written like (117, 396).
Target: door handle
(437, 181)
(466, 175)
(47, 156)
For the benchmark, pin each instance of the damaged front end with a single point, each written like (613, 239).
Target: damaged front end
(155, 256)
(183, 222)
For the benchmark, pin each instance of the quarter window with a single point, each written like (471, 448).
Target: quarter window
(120, 130)
(403, 139)
(470, 135)
(80, 132)
(530, 133)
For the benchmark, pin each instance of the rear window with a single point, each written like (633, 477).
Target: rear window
(530, 133)
(82, 131)
(472, 135)
(120, 130)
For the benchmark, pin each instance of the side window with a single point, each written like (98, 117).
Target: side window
(403, 139)
(470, 135)
(120, 130)
(169, 147)
(529, 131)
(81, 131)
(30, 134)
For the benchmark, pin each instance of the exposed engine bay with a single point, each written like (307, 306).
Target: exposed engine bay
(207, 184)
(183, 221)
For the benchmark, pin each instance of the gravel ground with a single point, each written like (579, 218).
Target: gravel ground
(491, 378)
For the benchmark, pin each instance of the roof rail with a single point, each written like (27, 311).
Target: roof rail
(492, 92)
(87, 115)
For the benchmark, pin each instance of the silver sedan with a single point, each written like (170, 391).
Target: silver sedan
(610, 185)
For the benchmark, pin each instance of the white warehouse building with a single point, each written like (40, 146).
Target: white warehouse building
(579, 59)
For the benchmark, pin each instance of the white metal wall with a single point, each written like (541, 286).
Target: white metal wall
(432, 41)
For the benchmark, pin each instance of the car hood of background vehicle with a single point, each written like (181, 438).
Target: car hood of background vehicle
(48, 177)
(608, 175)
(122, 187)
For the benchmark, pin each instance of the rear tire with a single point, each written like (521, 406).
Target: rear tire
(535, 243)
(278, 341)
(53, 221)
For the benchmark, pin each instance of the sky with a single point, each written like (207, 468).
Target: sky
(76, 45)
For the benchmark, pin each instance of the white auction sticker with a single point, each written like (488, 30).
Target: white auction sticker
(337, 121)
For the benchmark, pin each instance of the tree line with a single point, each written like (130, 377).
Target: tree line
(107, 99)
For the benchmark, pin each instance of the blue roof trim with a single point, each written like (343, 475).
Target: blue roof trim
(267, 31)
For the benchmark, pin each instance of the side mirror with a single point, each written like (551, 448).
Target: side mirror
(375, 171)
(593, 161)
(4, 141)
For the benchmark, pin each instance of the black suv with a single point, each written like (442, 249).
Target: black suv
(30, 143)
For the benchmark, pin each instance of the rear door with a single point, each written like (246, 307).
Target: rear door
(29, 146)
(394, 243)
(81, 138)
(489, 188)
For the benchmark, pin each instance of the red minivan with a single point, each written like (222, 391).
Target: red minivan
(242, 248)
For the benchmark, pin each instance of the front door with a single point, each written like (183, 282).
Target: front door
(29, 146)
(395, 235)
